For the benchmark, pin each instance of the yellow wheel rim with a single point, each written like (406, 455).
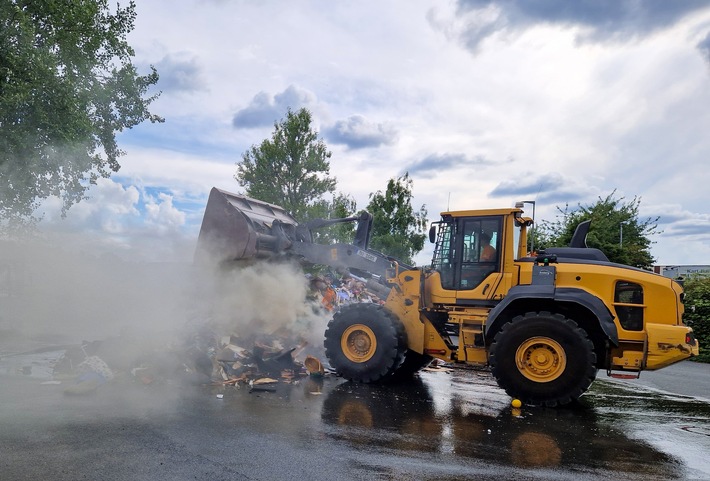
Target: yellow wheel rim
(358, 343)
(541, 359)
(352, 413)
(535, 449)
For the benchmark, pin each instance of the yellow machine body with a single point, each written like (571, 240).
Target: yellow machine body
(646, 309)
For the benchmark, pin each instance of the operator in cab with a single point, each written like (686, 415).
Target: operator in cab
(488, 252)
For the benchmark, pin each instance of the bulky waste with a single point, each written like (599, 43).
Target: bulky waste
(207, 355)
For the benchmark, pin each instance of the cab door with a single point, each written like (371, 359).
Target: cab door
(478, 269)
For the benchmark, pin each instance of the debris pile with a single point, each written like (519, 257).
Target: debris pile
(264, 361)
(274, 358)
(204, 355)
(332, 292)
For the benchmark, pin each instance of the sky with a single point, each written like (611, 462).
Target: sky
(483, 102)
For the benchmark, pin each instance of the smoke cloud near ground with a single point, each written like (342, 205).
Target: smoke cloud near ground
(123, 339)
(60, 294)
(51, 289)
(262, 298)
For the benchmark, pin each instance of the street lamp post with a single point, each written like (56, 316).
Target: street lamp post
(621, 232)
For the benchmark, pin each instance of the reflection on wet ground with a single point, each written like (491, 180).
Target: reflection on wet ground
(465, 414)
(456, 424)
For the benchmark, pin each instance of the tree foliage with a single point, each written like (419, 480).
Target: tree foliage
(290, 169)
(67, 85)
(398, 230)
(342, 206)
(697, 312)
(615, 229)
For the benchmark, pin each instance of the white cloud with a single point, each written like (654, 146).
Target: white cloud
(602, 21)
(265, 110)
(180, 72)
(122, 221)
(554, 105)
(358, 132)
(704, 47)
(107, 204)
(163, 215)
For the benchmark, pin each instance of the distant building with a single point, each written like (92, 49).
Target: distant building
(682, 271)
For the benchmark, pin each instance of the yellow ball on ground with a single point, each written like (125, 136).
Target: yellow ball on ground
(516, 403)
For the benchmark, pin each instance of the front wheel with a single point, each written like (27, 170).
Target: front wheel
(543, 359)
(365, 343)
(412, 364)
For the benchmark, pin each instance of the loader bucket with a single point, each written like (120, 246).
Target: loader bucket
(236, 227)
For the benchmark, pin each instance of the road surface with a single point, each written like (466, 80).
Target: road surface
(686, 378)
(453, 425)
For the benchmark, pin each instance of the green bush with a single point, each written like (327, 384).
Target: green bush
(697, 313)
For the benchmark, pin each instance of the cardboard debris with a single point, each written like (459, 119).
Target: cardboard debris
(264, 380)
(437, 369)
(313, 366)
(206, 356)
(263, 384)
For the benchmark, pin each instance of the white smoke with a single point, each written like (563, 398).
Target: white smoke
(263, 298)
(53, 289)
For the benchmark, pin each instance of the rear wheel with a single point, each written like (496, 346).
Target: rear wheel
(543, 359)
(365, 342)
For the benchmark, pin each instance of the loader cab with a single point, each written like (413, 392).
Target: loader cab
(470, 252)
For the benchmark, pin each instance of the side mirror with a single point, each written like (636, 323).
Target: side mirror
(432, 234)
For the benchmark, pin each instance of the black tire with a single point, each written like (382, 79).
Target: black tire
(413, 363)
(365, 343)
(543, 359)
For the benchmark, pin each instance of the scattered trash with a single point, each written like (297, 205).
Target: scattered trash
(437, 368)
(220, 396)
(87, 383)
(94, 365)
(263, 380)
(314, 366)
(203, 354)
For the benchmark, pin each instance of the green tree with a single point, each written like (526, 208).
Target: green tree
(67, 85)
(290, 169)
(697, 312)
(615, 229)
(398, 230)
(342, 206)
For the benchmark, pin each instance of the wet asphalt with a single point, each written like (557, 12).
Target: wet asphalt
(451, 425)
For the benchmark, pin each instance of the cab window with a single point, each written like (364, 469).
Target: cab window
(629, 306)
(444, 253)
(480, 247)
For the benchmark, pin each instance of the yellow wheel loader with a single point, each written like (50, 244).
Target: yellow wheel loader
(544, 323)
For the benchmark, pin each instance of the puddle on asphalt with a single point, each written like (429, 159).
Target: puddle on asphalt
(677, 425)
(464, 413)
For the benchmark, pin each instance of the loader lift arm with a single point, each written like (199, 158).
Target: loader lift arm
(235, 227)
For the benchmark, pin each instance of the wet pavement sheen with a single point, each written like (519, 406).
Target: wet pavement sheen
(454, 425)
